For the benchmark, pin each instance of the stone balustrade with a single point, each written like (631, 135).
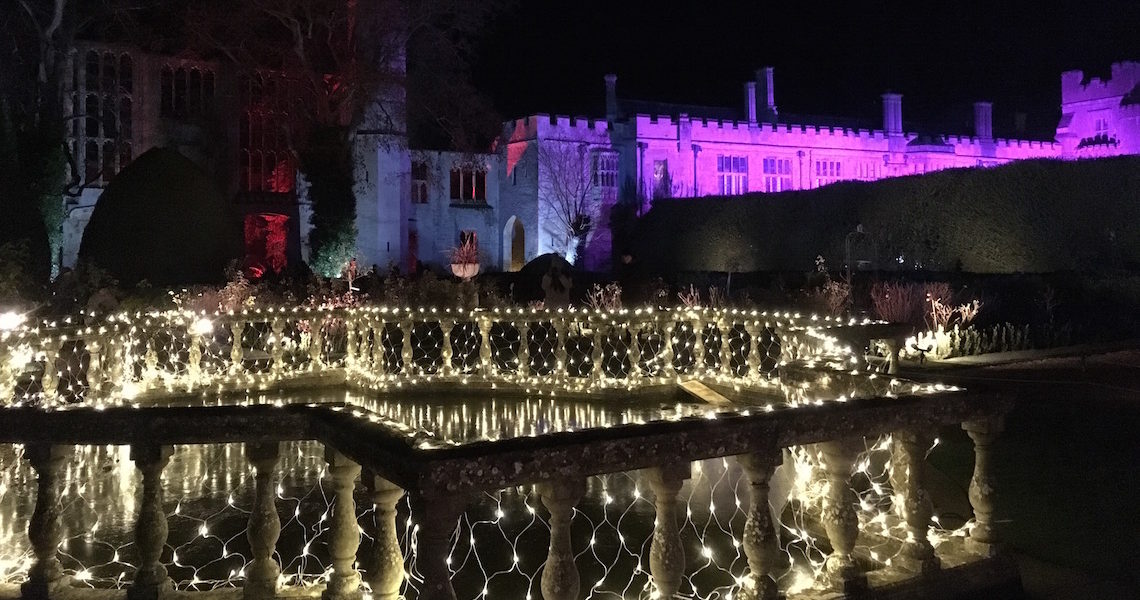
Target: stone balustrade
(150, 356)
(362, 450)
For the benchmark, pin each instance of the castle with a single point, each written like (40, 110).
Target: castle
(518, 200)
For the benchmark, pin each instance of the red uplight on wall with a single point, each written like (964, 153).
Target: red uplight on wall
(266, 243)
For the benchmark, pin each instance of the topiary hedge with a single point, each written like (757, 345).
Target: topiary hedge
(1027, 216)
(162, 220)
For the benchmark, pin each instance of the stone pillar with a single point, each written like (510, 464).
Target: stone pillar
(406, 330)
(753, 359)
(194, 364)
(278, 327)
(385, 569)
(264, 523)
(560, 579)
(344, 533)
(437, 516)
(760, 542)
(667, 555)
(377, 347)
(907, 456)
(150, 362)
(44, 527)
(726, 347)
(839, 518)
(237, 354)
(151, 580)
(984, 537)
(893, 347)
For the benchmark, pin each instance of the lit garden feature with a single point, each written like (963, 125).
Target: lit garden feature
(478, 454)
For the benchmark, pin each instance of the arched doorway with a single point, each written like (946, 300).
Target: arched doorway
(514, 245)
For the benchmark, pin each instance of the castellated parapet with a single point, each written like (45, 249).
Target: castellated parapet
(1124, 77)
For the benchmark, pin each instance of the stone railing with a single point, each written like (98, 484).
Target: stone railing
(890, 553)
(147, 356)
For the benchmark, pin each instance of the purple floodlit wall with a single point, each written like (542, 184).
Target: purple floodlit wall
(1100, 117)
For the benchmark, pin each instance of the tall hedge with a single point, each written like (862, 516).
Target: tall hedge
(162, 220)
(1028, 216)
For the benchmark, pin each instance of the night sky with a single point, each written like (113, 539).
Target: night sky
(830, 58)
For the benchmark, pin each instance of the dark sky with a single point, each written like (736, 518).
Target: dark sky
(830, 58)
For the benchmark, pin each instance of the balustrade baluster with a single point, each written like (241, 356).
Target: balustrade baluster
(150, 362)
(726, 326)
(437, 516)
(839, 517)
(635, 370)
(115, 363)
(352, 341)
(151, 580)
(907, 455)
(96, 367)
(44, 531)
(597, 355)
(407, 329)
(561, 331)
(753, 329)
(50, 381)
(237, 353)
(8, 375)
(667, 554)
(984, 537)
(761, 544)
(560, 580)
(446, 349)
(377, 347)
(524, 349)
(385, 570)
(194, 362)
(264, 523)
(486, 365)
(278, 349)
(344, 533)
(669, 351)
(699, 345)
(316, 342)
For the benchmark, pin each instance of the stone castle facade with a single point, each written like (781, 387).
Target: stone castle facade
(413, 204)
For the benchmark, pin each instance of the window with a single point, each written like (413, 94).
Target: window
(419, 182)
(468, 185)
(606, 170)
(1101, 126)
(662, 184)
(267, 161)
(732, 173)
(101, 104)
(777, 174)
(827, 171)
(186, 91)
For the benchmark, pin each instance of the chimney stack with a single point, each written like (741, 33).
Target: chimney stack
(611, 97)
(892, 113)
(750, 100)
(983, 120)
(767, 91)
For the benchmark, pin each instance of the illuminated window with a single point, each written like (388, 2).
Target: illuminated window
(732, 173)
(419, 182)
(777, 174)
(267, 163)
(662, 184)
(1101, 126)
(101, 104)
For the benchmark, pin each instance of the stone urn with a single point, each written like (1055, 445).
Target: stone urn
(465, 271)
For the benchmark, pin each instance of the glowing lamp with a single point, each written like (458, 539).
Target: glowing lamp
(202, 326)
(10, 320)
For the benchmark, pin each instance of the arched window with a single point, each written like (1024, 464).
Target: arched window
(194, 96)
(76, 114)
(167, 82)
(126, 82)
(110, 66)
(180, 92)
(125, 117)
(91, 115)
(91, 162)
(109, 155)
(91, 72)
(110, 128)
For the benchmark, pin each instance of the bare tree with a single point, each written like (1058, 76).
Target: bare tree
(566, 189)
